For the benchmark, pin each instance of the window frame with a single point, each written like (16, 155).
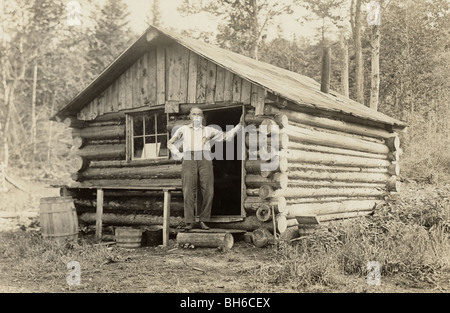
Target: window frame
(130, 117)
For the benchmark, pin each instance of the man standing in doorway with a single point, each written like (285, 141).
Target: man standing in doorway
(197, 163)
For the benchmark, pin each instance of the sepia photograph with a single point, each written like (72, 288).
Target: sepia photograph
(223, 153)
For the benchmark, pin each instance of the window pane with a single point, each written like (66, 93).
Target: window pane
(150, 139)
(150, 124)
(163, 151)
(162, 123)
(138, 147)
(138, 126)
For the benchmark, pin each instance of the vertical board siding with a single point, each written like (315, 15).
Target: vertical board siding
(192, 78)
(152, 90)
(174, 73)
(202, 70)
(184, 74)
(160, 75)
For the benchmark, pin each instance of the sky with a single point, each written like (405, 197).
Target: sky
(139, 9)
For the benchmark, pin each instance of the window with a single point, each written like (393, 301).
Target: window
(149, 136)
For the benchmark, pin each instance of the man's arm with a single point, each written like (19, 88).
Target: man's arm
(229, 135)
(176, 154)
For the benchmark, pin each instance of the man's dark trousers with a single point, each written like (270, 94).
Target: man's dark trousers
(197, 169)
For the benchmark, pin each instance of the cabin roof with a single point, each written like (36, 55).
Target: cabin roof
(294, 87)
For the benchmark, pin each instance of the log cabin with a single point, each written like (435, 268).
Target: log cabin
(336, 158)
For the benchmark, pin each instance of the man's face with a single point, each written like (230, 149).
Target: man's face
(196, 116)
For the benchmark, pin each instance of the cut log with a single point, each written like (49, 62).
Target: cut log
(290, 233)
(263, 213)
(279, 164)
(303, 135)
(339, 176)
(254, 192)
(328, 123)
(393, 143)
(135, 163)
(299, 156)
(278, 180)
(80, 163)
(330, 207)
(262, 237)
(268, 126)
(394, 169)
(290, 201)
(252, 141)
(394, 184)
(265, 191)
(211, 240)
(328, 192)
(79, 142)
(99, 152)
(317, 148)
(73, 122)
(394, 156)
(102, 132)
(282, 223)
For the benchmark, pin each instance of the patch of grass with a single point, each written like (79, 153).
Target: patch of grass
(403, 237)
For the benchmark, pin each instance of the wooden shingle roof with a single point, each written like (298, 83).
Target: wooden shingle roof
(296, 88)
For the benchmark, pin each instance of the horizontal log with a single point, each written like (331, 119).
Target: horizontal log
(136, 205)
(211, 240)
(299, 156)
(130, 219)
(290, 201)
(339, 176)
(156, 171)
(266, 191)
(252, 204)
(250, 223)
(252, 192)
(101, 132)
(294, 166)
(268, 126)
(346, 215)
(129, 183)
(303, 135)
(328, 123)
(278, 164)
(90, 194)
(134, 163)
(334, 184)
(278, 180)
(98, 152)
(328, 192)
(280, 119)
(330, 207)
(318, 148)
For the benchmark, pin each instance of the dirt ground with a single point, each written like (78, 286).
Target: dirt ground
(172, 269)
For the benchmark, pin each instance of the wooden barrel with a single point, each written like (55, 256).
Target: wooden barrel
(58, 219)
(128, 237)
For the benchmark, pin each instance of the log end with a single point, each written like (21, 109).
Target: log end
(265, 191)
(263, 213)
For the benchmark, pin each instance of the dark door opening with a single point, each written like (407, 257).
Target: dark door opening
(227, 171)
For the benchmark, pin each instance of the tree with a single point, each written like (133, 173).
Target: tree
(154, 17)
(112, 34)
(355, 22)
(244, 21)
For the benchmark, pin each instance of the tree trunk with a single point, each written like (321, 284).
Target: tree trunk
(356, 27)
(344, 65)
(375, 75)
(212, 240)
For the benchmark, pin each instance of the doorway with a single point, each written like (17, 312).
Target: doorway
(227, 165)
